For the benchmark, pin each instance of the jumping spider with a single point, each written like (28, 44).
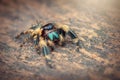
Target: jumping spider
(47, 36)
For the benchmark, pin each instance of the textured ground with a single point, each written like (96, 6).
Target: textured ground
(96, 23)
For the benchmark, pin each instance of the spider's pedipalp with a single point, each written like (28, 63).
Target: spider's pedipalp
(51, 44)
(61, 40)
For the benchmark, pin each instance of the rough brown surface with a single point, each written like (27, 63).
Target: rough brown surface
(96, 22)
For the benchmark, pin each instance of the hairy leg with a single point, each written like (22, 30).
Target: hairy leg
(44, 47)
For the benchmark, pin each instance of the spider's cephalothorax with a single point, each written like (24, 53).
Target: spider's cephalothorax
(47, 36)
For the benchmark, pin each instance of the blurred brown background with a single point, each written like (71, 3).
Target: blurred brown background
(96, 22)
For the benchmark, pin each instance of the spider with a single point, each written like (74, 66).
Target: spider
(45, 37)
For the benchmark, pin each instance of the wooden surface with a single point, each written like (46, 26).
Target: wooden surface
(96, 22)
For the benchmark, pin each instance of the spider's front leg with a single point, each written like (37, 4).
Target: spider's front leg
(75, 38)
(45, 49)
(64, 29)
